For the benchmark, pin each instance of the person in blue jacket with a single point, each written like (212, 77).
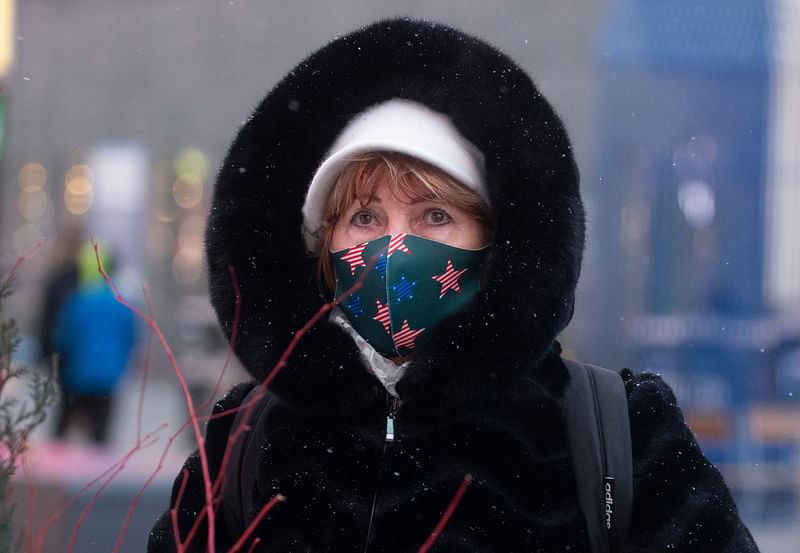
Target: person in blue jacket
(94, 337)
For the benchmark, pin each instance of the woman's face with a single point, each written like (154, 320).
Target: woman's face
(384, 214)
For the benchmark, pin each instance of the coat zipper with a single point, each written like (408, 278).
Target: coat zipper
(394, 405)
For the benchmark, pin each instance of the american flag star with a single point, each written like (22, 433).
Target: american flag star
(354, 256)
(396, 243)
(383, 316)
(449, 279)
(380, 266)
(354, 305)
(404, 289)
(405, 338)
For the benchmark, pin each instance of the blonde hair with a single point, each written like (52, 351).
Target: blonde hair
(407, 178)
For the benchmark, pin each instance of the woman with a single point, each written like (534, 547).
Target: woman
(424, 164)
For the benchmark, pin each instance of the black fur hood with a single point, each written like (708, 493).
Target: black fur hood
(481, 396)
(255, 220)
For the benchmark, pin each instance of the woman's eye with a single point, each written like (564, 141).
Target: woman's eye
(436, 217)
(363, 219)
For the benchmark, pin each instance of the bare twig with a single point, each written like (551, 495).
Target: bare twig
(451, 508)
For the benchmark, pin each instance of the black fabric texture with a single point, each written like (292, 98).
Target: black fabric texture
(482, 396)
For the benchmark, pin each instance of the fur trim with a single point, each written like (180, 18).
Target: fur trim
(482, 396)
(255, 220)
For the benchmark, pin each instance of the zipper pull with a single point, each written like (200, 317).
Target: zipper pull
(393, 407)
(390, 428)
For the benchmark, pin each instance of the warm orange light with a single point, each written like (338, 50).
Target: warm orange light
(32, 177)
(164, 216)
(78, 195)
(7, 36)
(79, 170)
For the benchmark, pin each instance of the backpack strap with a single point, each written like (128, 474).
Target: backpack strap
(238, 495)
(598, 428)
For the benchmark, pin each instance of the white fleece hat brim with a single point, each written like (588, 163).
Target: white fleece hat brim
(400, 126)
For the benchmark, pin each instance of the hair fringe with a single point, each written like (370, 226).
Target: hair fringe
(408, 178)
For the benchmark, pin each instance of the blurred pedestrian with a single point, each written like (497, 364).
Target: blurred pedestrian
(61, 280)
(94, 337)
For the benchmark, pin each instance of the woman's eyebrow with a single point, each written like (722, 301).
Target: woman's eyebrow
(420, 199)
(366, 200)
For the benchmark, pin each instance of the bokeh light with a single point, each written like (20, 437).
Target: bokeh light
(165, 216)
(33, 205)
(187, 265)
(79, 170)
(32, 177)
(191, 232)
(79, 189)
(696, 200)
(78, 195)
(191, 161)
(187, 190)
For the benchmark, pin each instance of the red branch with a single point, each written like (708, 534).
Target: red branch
(198, 433)
(145, 369)
(250, 406)
(117, 467)
(315, 319)
(42, 532)
(120, 466)
(259, 517)
(210, 488)
(462, 488)
(237, 301)
(173, 513)
(11, 273)
(237, 307)
(138, 498)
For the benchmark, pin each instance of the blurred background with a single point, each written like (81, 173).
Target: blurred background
(685, 117)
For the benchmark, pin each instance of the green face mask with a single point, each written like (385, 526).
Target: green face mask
(410, 286)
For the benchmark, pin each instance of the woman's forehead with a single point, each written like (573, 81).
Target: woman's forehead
(383, 191)
(410, 191)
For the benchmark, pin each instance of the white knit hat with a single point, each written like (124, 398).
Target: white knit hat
(400, 126)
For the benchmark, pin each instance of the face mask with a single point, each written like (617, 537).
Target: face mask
(412, 286)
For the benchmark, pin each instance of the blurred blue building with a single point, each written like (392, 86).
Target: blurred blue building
(678, 204)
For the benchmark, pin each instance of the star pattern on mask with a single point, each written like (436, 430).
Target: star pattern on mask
(406, 336)
(449, 279)
(404, 289)
(354, 256)
(380, 266)
(383, 316)
(354, 305)
(397, 243)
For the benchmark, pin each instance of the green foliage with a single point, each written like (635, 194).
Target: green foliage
(18, 417)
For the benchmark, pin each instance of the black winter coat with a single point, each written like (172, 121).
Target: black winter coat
(481, 395)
